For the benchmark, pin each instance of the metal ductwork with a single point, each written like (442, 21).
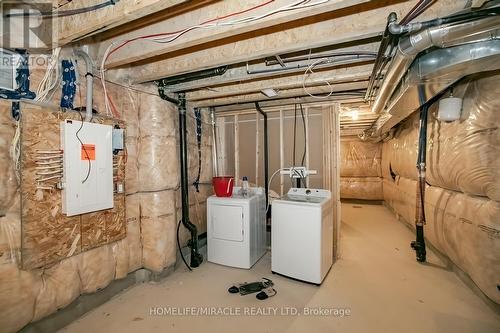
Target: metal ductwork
(455, 52)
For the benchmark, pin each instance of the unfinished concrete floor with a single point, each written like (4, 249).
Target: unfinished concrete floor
(377, 278)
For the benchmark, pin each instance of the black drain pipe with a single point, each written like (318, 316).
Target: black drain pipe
(183, 78)
(196, 257)
(266, 153)
(419, 244)
(180, 101)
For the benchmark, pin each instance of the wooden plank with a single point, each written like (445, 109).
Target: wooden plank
(239, 75)
(287, 102)
(282, 152)
(334, 76)
(237, 180)
(222, 147)
(335, 174)
(47, 234)
(288, 93)
(73, 27)
(257, 147)
(140, 50)
(306, 118)
(343, 26)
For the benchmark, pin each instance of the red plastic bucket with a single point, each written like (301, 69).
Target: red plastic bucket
(223, 186)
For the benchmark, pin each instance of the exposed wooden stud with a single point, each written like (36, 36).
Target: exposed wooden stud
(282, 152)
(222, 146)
(306, 119)
(335, 130)
(236, 151)
(257, 147)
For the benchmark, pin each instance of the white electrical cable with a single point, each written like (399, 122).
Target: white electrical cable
(293, 6)
(15, 151)
(163, 40)
(309, 71)
(269, 184)
(51, 77)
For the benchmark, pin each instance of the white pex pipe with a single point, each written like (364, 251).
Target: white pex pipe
(90, 82)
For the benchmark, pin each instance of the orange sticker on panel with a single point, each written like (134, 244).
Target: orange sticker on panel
(88, 152)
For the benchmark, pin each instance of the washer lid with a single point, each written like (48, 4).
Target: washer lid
(305, 195)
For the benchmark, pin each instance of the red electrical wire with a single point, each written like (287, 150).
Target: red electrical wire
(113, 107)
(179, 31)
(114, 110)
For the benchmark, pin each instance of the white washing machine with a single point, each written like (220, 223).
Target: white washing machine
(236, 228)
(302, 234)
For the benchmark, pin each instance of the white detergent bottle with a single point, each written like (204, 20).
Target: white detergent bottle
(244, 187)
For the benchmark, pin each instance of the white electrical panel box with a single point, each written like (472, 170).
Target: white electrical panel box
(87, 167)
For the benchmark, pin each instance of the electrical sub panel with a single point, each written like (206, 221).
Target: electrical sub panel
(87, 184)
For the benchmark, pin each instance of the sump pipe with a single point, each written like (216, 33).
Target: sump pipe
(266, 152)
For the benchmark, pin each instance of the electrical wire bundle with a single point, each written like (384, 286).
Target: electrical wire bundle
(51, 77)
(168, 37)
(60, 13)
(295, 133)
(48, 168)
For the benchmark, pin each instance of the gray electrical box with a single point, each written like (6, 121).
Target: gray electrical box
(118, 139)
(9, 63)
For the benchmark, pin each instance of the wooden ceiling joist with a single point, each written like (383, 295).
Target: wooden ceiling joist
(75, 27)
(335, 76)
(289, 93)
(141, 49)
(239, 76)
(271, 105)
(347, 25)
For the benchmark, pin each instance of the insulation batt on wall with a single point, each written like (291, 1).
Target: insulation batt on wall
(462, 199)
(101, 249)
(360, 169)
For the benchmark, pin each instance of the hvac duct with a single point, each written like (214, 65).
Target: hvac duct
(461, 50)
(412, 45)
(434, 72)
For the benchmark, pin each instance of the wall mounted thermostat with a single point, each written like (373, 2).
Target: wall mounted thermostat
(87, 167)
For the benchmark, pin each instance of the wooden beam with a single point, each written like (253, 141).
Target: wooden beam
(71, 28)
(257, 147)
(290, 93)
(337, 27)
(142, 49)
(350, 74)
(308, 165)
(238, 74)
(236, 151)
(282, 152)
(289, 102)
(222, 146)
